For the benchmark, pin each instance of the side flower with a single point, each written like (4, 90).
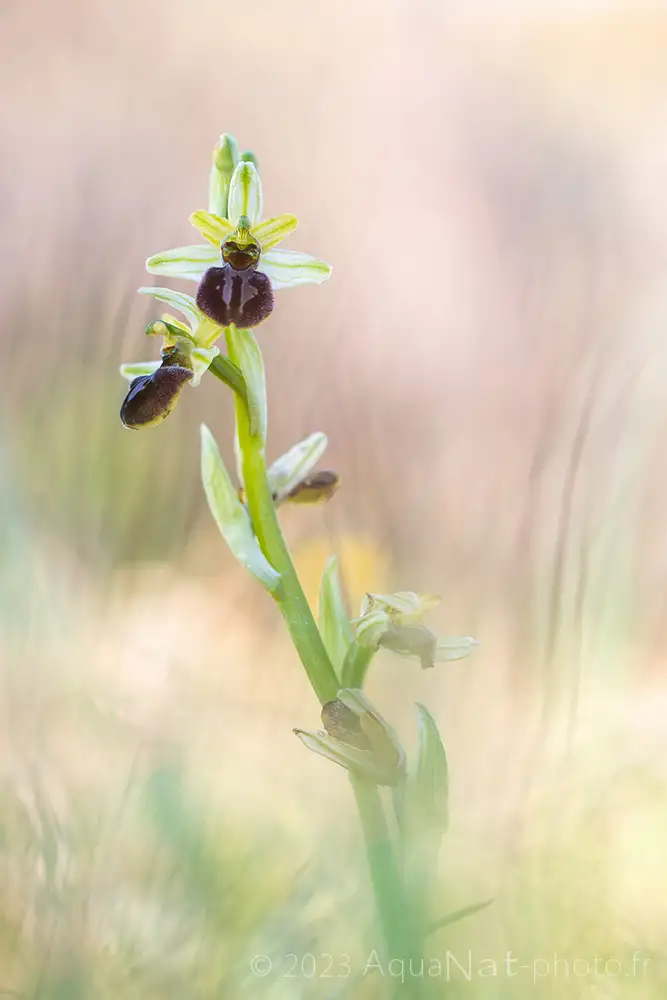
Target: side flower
(394, 621)
(186, 348)
(356, 737)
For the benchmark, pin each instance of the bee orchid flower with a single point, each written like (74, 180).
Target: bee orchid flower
(189, 347)
(394, 621)
(239, 267)
(358, 738)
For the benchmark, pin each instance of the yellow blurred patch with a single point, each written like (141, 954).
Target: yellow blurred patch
(363, 565)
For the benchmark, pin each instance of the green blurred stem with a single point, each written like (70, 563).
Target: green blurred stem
(355, 665)
(393, 908)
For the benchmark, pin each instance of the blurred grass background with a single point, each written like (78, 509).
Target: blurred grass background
(489, 364)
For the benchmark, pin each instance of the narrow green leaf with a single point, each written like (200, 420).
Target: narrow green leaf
(456, 915)
(428, 783)
(333, 618)
(230, 515)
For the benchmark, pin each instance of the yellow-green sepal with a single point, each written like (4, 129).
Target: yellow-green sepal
(273, 231)
(214, 228)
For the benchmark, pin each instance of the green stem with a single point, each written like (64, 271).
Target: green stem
(289, 595)
(355, 666)
(393, 910)
(385, 876)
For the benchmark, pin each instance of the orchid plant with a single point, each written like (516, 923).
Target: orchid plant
(237, 270)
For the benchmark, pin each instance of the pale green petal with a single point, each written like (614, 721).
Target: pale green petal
(177, 300)
(201, 358)
(333, 617)
(383, 738)
(245, 194)
(213, 228)
(272, 231)
(184, 262)
(208, 332)
(244, 351)
(137, 368)
(168, 318)
(292, 467)
(371, 627)
(455, 648)
(288, 268)
(407, 607)
(225, 158)
(230, 515)
(360, 761)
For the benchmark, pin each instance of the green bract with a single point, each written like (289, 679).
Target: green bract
(428, 783)
(230, 515)
(333, 623)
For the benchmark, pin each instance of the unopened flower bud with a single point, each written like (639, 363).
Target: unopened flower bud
(225, 158)
(250, 157)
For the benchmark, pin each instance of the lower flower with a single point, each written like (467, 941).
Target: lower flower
(357, 738)
(151, 398)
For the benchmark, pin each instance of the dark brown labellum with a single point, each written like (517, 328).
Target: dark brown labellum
(151, 398)
(411, 640)
(341, 722)
(317, 488)
(227, 296)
